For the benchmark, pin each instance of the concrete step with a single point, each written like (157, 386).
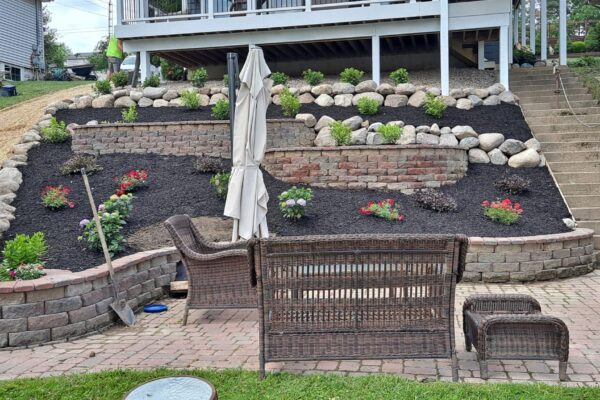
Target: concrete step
(576, 156)
(551, 92)
(580, 189)
(595, 225)
(577, 177)
(556, 103)
(546, 86)
(568, 137)
(523, 83)
(597, 245)
(575, 201)
(560, 128)
(539, 71)
(586, 213)
(525, 98)
(561, 112)
(575, 166)
(570, 146)
(565, 120)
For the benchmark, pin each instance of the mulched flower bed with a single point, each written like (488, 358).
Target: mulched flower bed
(506, 119)
(174, 187)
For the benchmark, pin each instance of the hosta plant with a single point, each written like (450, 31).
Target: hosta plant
(112, 226)
(220, 181)
(386, 209)
(504, 212)
(56, 197)
(122, 204)
(132, 181)
(22, 257)
(293, 202)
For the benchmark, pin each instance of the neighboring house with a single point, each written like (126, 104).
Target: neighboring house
(21, 38)
(328, 35)
(78, 59)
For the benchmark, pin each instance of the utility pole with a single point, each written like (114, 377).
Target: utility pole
(110, 17)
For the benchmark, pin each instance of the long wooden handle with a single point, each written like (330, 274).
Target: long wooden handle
(100, 231)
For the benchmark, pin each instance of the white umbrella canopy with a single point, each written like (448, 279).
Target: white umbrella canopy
(247, 195)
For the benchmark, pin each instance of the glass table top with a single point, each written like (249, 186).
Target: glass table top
(173, 388)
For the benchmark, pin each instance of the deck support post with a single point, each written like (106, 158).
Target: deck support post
(144, 65)
(532, 25)
(563, 31)
(444, 49)
(504, 45)
(544, 29)
(515, 26)
(523, 24)
(481, 54)
(375, 59)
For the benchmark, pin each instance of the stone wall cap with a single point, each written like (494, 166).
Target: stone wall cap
(168, 123)
(366, 147)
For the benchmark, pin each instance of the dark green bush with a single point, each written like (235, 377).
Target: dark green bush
(279, 78)
(152, 81)
(189, 98)
(399, 76)
(290, 103)
(390, 133)
(352, 76)
(367, 106)
(119, 79)
(199, 77)
(221, 110)
(313, 77)
(103, 86)
(171, 71)
(522, 56)
(592, 39)
(578, 47)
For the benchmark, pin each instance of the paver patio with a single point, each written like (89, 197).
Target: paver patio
(229, 339)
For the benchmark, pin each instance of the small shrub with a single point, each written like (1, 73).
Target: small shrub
(352, 76)
(390, 133)
(435, 200)
(386, 209)
(103, 86)
(313, 77)
(152, 81)
(523, 55)
(293, 202)
(199, 77)
(112, 226)
(578, 47)
(122, 204)
(279, 78)
(74, 164)
(225, 80)
(220, 181)
(434, 106)
(504, 212)
(290, 103)
(220, 110)
(367, 106)
(119, 79)
(585, 61)
(22, 257)
(56, 132)
(56, 197)
(171, 71)
(132, 181)
(341, 133)
(399, 76)
(512, 184)
(190, 99)
(208, 164)
(130, 115)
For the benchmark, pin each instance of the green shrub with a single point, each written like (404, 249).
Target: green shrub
(523, 55)
(130, 115)
(399, 76)
(592, 39)
(152, 81)
(279, 78)
(352, 76)
(24, 250)
(56, 132)
(341, 133)
(226, 80)
(434, 106)
(103, 86)
(119, 79)
(112, 226)
(293, 202)
(585, 61)
(313, 77)
(190, 99)
(122, 204)
(578, 47)
(171, 71)
(220, 110)
(390, 133)
(199, 77)
(367, 106)
(74, 164)
(290, 103)
(220, 182)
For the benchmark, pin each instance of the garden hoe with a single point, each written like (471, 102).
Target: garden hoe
(119, 305)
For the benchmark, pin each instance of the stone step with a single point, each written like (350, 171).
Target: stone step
(546, 86)
(590, 189)
(559, 128)
(586, 213)
(597, 245)
(565, 120)
(524, 83)
(554, 98)
(582, 201)
(551, 92)
(560, 112)
(577, 177)
(570, 146)
(557, 103)
(538, 71)
(568, 136)
(572, 156)
(595, 225)
(575, 166)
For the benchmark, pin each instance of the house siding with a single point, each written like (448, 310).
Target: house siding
(18, 31)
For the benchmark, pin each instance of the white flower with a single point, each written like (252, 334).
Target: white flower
(290, 202)
(301, 202)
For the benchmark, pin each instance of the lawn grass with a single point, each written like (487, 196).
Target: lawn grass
(244, 385)
(30, 89)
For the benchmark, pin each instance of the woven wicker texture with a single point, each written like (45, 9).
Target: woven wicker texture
(219, 275)
(358, 296)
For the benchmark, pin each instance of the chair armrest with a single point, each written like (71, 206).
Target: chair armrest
(213, 256)
(501, 304)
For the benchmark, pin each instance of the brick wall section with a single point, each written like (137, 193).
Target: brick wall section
(180, 138)
(403, 168)
(530, 258)
(64, 305)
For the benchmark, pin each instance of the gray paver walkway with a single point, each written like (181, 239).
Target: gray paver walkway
(229, 339)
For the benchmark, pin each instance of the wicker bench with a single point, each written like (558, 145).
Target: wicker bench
(357, 297)
(511, 327)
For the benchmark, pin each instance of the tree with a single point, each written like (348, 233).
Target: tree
(99, 59)
(55, 52)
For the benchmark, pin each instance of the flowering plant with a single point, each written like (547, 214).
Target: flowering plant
(22, 257)
(131, 181)
(293, 202)
(504, 212)
(220, 181)
(386, 209)
(112, 225)
(121, 204)
(55, 197)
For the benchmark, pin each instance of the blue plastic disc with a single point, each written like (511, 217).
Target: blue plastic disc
(155, 308)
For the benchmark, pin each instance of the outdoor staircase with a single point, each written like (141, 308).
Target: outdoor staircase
(571, 149)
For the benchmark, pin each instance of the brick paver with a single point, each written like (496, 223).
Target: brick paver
(229, 339)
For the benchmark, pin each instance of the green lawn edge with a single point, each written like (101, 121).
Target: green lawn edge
(31, 89)
(242, 384)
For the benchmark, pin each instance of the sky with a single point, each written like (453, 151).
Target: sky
(80, 23)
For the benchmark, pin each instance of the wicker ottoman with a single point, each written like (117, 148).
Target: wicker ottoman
(511, 327)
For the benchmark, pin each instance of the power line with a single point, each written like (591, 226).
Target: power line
(80, 9)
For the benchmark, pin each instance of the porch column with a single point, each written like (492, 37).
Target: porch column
(504, 44)
(523, 24)
(481, 54)
(532, 26)
(444, 49)
(375, 59)
(544, 29)
(144, 65)
(515, 26)
(511, 27)
(563, 32)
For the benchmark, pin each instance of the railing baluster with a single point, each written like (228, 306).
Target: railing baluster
(211, 10)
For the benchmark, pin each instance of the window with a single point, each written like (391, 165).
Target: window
(12, 73)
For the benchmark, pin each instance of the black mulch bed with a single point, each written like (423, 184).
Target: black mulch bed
(506, 119)
(175, 188)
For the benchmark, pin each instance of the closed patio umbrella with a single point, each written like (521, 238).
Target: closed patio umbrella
(247, 195)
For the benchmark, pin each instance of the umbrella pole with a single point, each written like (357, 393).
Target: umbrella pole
(232, 73)
(234, 235)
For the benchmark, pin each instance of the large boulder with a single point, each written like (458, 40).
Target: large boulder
(417, 99)
(463, 131)
(306, 98)
(343, 100)
(426, 138)
(406, 89)
(342, 88)
(353, 122)
(158, 103)
(512, 147)
(204, 100)
(214, 99)
(374, 138)
(434, 91)
(170, 95)
(385, 89)
(496, 89)
(324, 100)
(448, 140)
(154, 93)
(323, 122)
(525, 159)
(324, 138)
(176, 102)
(396, 100)
(120, 93)
(84, 102)
(322, 89)
(409, 135)
(478, 156)
(492, 100)
(359, 136)
(507, 97)
(59, 105)
(489, 141)
(369, 95)
(435, 130)
(136, 95)
(457, 93)
(475, 100)
(366, 86)
(10, 180)
(533, 144)
(308, 119)
(423, 129)
(468, 143)
(481, 93)
(464, 104)
(449, 101)
(104, 101)
(277, 89)
(145, 102)
(124, 102)
(497, 157)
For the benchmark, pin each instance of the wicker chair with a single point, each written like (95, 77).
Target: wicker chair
(219, 274)
(357, 297)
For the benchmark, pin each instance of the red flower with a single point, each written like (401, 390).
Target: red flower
(401, 217)
(485, 203)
